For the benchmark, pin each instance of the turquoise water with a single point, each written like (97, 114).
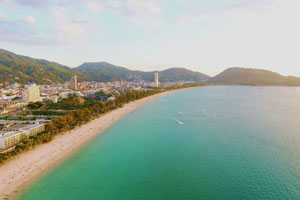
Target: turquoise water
(236, 143)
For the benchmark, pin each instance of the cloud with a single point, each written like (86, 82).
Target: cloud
(30, 3)
(254, 5)
(192, 13)
(2, 16)
(127, 8)
(22, 30)
(62, 29)
(94, 6)
(39, 4)
(102, 5)
(23, 26)
(66, 26)
(50, 4)
(29, 20)
(142, 8)
(80, 21)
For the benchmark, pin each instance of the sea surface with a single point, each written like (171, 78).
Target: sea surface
(209, 143)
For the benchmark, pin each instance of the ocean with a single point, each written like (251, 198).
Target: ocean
(210, 143)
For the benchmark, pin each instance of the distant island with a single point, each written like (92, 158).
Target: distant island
(23, 69)
(253, 77)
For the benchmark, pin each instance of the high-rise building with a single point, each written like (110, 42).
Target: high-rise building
(74, 83)
(31, 93)
(156, 81)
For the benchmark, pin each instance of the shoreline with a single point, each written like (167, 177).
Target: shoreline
(21, 172)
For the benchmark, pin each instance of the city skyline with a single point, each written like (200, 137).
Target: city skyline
(204, 36)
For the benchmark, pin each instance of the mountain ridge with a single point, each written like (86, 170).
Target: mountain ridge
(100, 71)
(23, 69)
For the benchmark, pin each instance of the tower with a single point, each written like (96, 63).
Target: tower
(74, 83)
(156, 81)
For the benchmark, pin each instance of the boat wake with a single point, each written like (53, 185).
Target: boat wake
(184, 112)
(178, 121)
(204, 112)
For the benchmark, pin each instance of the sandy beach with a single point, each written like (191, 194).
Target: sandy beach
(20, 172)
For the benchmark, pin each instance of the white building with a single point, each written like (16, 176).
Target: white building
(65, 95)
(33, 129)
(54, 99)
(10, 139)
(156, 81)
(15, 132)
(31, 93)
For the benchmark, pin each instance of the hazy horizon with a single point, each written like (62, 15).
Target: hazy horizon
(204, 36)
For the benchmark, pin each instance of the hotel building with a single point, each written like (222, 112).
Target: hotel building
(74, 83)
(10, 139)
(31, 93)
(13, 133)
(33, 129)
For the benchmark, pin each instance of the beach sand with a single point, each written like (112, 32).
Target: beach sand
(19, 173)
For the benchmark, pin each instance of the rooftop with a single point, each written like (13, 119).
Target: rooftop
(7, 134)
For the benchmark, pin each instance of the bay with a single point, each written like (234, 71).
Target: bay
(221, 142)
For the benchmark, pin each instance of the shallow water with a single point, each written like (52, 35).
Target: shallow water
(234, 143)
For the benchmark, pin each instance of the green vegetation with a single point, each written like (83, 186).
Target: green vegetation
(81, 116)
(48, 112)
(101, 93)
(71, 103)
(35, 105)
(25, 69)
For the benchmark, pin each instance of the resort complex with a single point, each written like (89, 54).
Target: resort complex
(13, 132)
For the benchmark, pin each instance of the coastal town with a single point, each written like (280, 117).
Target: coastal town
(26, 109)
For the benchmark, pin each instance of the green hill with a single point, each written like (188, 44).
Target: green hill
(178, 74)
(249, 76)
(23, 69)
(102, 71)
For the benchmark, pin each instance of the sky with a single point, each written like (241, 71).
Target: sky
(202, 35)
